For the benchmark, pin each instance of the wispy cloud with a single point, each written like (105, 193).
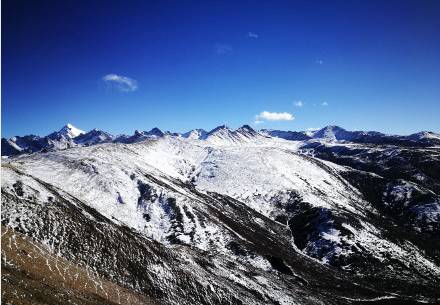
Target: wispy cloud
(252, 35)
(319, 61)
(121, 83)
(298, 104)
(324, 104)
(312, 129)
(222, 49)
(273, 116)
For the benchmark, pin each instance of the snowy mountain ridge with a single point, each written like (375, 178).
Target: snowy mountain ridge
(70, 136)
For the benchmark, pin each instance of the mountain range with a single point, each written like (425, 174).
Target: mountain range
(70, 136)
(221, 217)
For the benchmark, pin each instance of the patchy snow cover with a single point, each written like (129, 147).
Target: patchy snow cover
(109, 178)
(148, 186)
(257, 171)
(26, 186)
(408, 254)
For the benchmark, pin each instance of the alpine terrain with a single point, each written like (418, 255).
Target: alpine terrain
(221, 217)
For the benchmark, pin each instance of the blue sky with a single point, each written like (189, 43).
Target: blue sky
(178, 65)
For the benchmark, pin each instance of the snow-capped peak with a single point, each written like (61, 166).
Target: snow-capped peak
(332, 133)
(424, 135)
(195, 134)
(94, 136)
(156, 132)
(247, 131)
(71, 131)
(246, 128)
(139, 136)
(224, 135)
(221, 128)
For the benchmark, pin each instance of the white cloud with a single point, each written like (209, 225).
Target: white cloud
(252, 35)
(121, 83)
(324, 104)
(273, 116)
(298, 104)
(319, 61)
(312, 129)
(222, 49)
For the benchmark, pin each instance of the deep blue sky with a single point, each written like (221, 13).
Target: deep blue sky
(375, 63)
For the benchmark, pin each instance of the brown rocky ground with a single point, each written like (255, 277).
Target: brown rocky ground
(32, 275)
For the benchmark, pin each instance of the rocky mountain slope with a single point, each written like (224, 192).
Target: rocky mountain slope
(223, 217)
